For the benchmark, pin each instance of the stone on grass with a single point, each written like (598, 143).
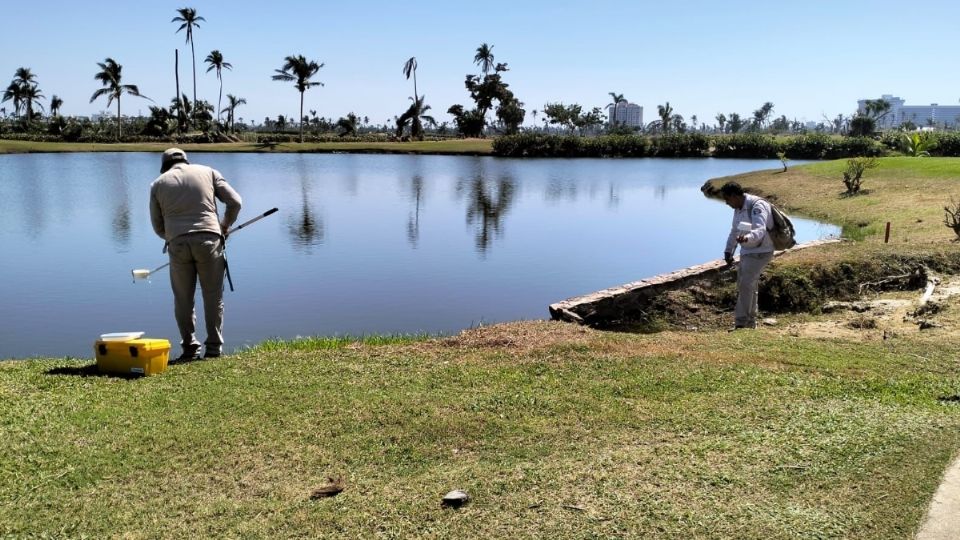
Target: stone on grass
(455, 499)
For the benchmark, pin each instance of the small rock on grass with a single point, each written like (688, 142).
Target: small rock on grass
(331, 489)
(769, 321)
(455, 499)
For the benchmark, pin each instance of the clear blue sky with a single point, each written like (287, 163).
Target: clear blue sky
(809, 58)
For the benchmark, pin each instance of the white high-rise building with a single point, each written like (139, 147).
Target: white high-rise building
(921, 115)
(628, 114)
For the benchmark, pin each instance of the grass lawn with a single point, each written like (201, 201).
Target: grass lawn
(555, 430)
(453, 147)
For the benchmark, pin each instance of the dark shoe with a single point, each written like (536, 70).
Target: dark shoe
(211, 354)
(187, 357)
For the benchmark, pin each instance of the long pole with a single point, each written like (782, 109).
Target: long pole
(140, 273)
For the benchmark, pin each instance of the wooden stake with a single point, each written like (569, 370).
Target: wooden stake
(886, 236)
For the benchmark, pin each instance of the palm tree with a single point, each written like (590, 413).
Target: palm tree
(721, 120)
(14, 92)
(760, 115)
(182, 107)
(348, 125)
(31, 95)
(617, 100)
(232, 103)
(215, 59)
(665, 112)
(19, 90)
(110, 76)
(416, 116)
(299, 69)
(55, 104)
(190, 20)
(484, 57)
(410, 67)
(24, 76)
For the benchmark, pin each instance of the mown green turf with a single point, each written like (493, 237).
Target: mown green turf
(553, 431)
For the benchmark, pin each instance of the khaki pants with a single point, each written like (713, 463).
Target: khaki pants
(748, 280)
(191, 256)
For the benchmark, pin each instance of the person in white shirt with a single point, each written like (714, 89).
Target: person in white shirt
(756, 248)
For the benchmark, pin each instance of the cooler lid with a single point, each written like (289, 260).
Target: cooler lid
(120, 336)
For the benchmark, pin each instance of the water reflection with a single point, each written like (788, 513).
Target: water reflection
(488, 202)
(120, 196)
(32, 197)
(413, 220)
(559, 189)
(307, 227)
(613, 197)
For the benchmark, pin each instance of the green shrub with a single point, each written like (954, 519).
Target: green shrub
(809, 146)
(947, 145)
(747, 145)
(680, 145)
(854, 146)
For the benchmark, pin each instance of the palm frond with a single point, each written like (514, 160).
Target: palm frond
(410, 66)
(100, 92)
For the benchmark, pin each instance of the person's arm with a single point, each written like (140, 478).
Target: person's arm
(731, 241)
(156, 214)
(229, 197)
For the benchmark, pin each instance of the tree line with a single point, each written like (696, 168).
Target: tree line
(494, 105)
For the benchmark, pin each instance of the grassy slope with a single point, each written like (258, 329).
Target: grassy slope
(910, 193)
(454, 146)
(555, 430)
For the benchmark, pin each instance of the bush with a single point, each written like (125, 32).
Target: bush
(809, 146)
(543, 145)
(680, 145)
(854, 146)
(947, 145)
(747, 145)
(619, 146)
(852, 176)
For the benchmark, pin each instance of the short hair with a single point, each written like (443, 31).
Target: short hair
(731, 189)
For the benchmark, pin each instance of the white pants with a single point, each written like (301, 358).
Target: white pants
(748, 280)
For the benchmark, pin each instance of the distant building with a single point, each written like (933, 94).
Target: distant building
(921, 115)
(628, 114)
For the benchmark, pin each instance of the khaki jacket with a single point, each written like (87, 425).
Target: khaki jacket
(184, 200)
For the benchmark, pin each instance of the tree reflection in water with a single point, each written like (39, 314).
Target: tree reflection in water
(120, 222)
(487, 205)
(307, 227)
(413, 221)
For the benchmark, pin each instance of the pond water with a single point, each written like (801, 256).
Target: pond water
(362, 244)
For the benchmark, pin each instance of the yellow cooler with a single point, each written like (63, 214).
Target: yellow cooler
(130, 354)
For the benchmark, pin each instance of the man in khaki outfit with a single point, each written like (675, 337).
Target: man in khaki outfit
(183, 211)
